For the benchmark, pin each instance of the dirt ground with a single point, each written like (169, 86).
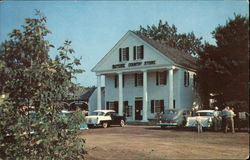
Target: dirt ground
(153, 143)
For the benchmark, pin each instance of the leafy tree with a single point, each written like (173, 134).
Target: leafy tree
(31, 80)
(224, 67)
(168, 36)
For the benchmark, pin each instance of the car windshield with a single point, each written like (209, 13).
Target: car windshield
(204, 113)
(97, 113)
(171, 112)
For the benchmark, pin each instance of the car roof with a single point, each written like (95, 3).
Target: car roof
(205, 111)
(105, 111)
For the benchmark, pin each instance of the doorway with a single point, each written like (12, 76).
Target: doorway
(138, 108)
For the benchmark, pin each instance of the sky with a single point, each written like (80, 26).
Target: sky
(94, 27)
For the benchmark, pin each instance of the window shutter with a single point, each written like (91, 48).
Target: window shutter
(142, 52)
(116, 78)
(187, 78)
(107, 105)
(120, 54)
(152, 106)
(157, 78)
(116, 106)
(174, 104)
(165, 77)
(134, 52)
(162, 105)
(127, 53)
(142, 78)
(123, 80)
(135, 79)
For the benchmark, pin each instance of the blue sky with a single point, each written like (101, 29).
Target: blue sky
(94, 27)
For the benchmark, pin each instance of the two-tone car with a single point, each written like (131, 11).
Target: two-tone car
(173, 117)
(206, 117)
(105, 118)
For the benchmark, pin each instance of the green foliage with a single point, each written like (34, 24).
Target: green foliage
(168, 36)
(31, 80)
(224, 67)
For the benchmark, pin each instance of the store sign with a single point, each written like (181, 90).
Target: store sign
(118, 66)
(134, 64)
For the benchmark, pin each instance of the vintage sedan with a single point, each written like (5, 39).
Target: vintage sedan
(206, 119)
(173, 117)
(105, 118)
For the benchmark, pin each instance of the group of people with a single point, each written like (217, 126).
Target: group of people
(222, 120)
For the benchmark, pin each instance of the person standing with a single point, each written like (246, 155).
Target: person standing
(224, 113)
(230, 120)
(216, 119)
(198, 122)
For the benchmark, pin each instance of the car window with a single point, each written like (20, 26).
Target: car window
(204, 113)
(113, 114)
(171, 112)
(108, 114)
(97, 113)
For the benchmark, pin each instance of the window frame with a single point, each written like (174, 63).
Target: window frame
(139, 52)
(138, 79)
(161, 76)
(157, 105)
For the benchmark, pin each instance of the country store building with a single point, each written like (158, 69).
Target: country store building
(143, 77)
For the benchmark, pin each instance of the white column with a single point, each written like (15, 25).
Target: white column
(120, 110)
(145, 97)
(171, 88)
(99, 104)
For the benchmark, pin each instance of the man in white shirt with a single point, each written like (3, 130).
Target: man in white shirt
(216, 119)
(230, 120)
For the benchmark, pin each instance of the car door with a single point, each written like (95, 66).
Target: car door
(115, 118)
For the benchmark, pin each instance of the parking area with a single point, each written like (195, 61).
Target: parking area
(151, 142)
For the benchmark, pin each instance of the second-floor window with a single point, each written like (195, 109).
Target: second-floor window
(161, 78)
(138, 52)
(124, 54)
(138, 79)
(186, 79)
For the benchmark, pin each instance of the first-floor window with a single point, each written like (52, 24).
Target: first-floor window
(157, 106)
(194, 80)
(112, 106)
(127, 110)
(186, 78)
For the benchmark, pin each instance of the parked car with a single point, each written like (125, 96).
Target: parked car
(242, 120)
(206, 119)
(105, 118)
(174, 117)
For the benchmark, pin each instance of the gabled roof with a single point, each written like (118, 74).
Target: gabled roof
(86, 95)
(179, 57)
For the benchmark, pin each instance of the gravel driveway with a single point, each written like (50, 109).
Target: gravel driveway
(151, 142)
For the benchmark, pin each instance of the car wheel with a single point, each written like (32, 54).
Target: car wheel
(122, 123)
(90, 125)
(104, 124)
(163, 127)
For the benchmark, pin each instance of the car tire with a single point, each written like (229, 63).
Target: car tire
(105, 124)
(90, 125)
(122, 123)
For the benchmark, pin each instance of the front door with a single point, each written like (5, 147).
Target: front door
(138, 108)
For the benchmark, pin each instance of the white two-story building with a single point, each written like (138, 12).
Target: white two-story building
(143, 78)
